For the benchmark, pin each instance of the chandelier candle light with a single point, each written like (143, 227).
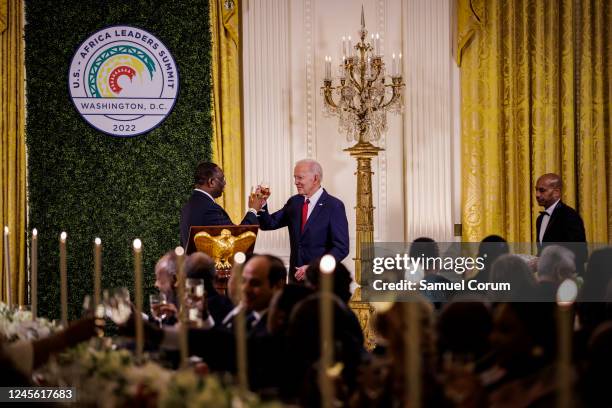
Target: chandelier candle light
(361, 98)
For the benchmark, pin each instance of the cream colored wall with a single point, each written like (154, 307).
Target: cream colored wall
(416, 179)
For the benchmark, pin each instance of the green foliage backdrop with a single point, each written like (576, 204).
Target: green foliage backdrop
(93, 185)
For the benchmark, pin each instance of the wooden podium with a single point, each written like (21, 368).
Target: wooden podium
(221, 242)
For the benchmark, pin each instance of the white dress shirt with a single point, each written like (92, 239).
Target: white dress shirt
(313, 200)
(546, 219)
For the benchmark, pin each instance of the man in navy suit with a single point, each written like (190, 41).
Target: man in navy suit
(201, 209)
(316, 220)
(559, 222)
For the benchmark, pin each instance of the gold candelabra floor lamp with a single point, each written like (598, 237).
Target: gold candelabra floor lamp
(361, 98)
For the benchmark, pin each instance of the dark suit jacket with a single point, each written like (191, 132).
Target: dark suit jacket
(565, 225)
(325, 232)
(202, 210)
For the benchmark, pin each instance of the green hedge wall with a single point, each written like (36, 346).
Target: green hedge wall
(93, 185)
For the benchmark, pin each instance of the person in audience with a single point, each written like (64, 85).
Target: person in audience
(427, 248)
(165, 282)
(513, 270)
(555, 265)
(262, 277)
(303, 351)
(463, 330)
(201, 266)
(594, 301)
(316, 221)
(559, 222)
(342, 279)
(523, 343)
(490, 248)
(594, 383)
(382, 379)
(201, 209)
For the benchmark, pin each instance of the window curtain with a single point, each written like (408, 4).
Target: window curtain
(535, 98)
(227, 132)
(12, 146)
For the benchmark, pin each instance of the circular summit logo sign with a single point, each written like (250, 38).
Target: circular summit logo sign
(123, 81)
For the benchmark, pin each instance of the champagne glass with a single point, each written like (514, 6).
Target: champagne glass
(194, 297)
(156, 302)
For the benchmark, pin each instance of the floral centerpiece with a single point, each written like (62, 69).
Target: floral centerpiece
(18, 325)
(109, 378)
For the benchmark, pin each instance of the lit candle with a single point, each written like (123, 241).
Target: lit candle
(326, 310)
(377, 45)
(7, 267)
(97, 271)
(399, 71)
(138, 295)
(34, 273)
(350, 47)
(393, 66)
(327, 68)
(63, 279)
(344, 53)
(566, 295)
(240, 325)
(180, 273)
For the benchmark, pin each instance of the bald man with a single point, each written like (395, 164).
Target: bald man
(558, 222)
(316, 221)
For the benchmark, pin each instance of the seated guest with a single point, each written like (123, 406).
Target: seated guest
(165, 282)
(513, 270)
(342, 279)
(524, 345)
(201, 209)
(382, 382)
(464, 329)
(427, 249)
(303, 353)
(201, 266)
(555, 265)
(594, 303)
(262, 277)
(490, 248)
(595, 381)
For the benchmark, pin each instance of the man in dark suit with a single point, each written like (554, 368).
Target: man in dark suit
(201, 209)
(316, 220)
(559, 222)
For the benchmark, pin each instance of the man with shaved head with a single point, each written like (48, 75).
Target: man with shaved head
(316, 220)
(558, 222)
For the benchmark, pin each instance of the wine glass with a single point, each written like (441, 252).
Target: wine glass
(156, 301)
(194, 294)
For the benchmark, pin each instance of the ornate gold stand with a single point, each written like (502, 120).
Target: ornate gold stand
(363, 152)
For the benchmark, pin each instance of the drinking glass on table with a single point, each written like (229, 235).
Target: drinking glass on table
(158, 312)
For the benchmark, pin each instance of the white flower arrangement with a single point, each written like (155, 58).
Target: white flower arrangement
(18, 325)
(109, 378)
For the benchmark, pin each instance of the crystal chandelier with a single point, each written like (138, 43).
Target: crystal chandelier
(365, 93)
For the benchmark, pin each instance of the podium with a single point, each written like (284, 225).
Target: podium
(221, 242)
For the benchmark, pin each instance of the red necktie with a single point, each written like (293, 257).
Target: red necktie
(304, 213)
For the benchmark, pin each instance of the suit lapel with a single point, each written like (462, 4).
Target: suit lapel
(316, 211)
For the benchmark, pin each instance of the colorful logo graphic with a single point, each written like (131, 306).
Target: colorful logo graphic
(123, 81)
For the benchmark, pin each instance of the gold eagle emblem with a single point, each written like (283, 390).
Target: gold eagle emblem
(221, 248)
